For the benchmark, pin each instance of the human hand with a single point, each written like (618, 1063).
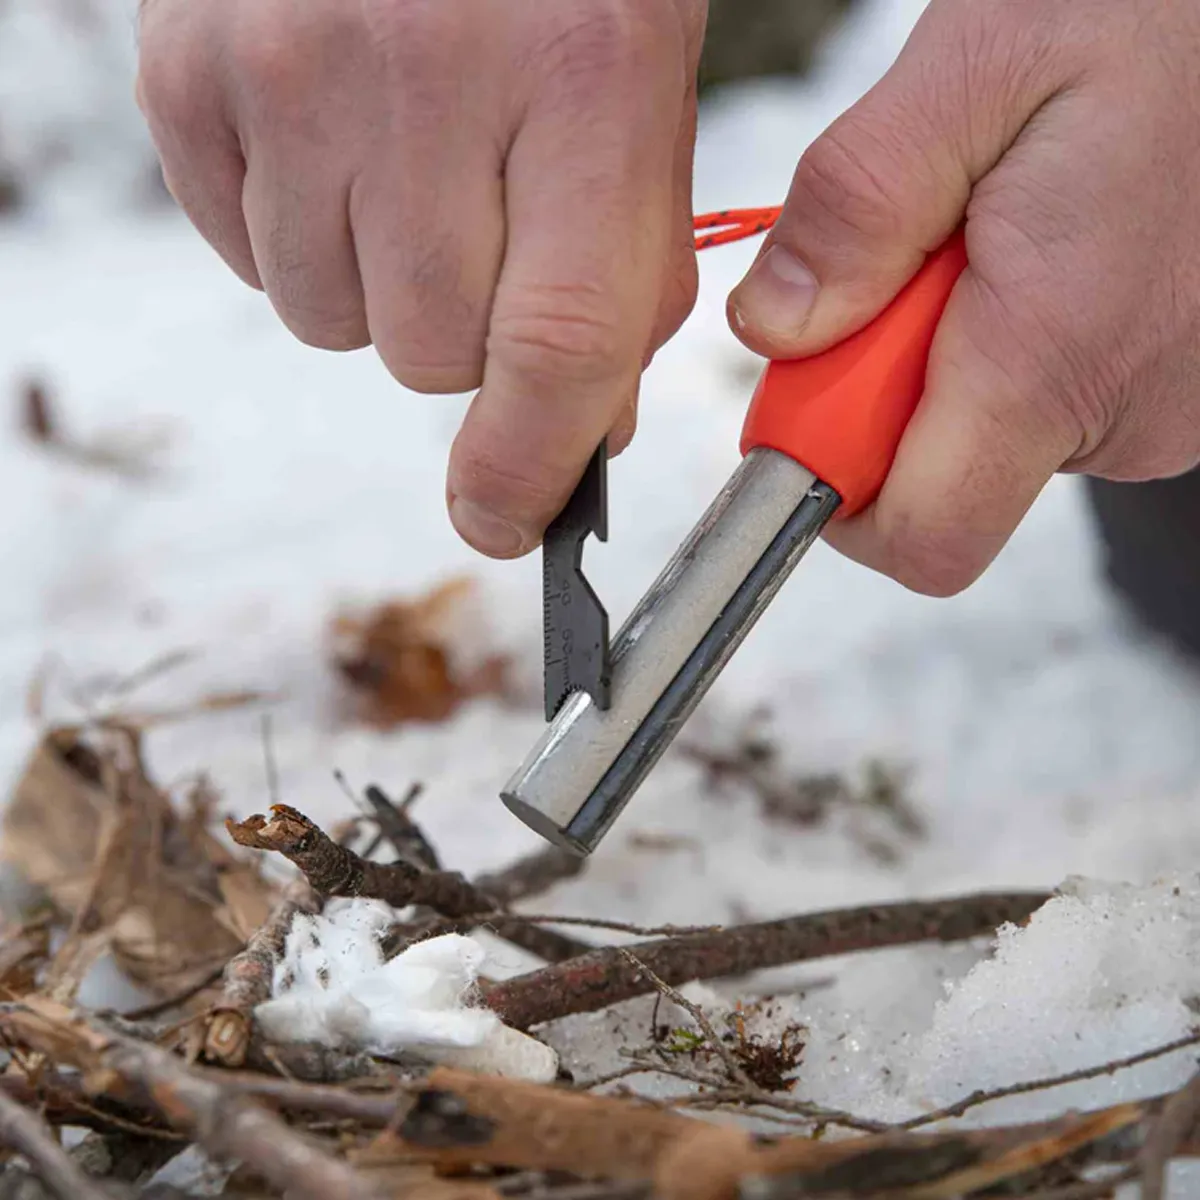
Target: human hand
(1067, 135)
(494, 195)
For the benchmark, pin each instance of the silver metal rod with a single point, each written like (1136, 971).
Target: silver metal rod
(588, 763)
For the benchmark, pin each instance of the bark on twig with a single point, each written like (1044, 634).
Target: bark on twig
(407, 838)
(28, 1135)
(64, 1100)
(532, 875)
(604, 977)
(234, 1129)
(335, 870)
(247, 980)
(230, 1127)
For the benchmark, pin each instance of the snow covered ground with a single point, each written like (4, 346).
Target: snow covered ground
(1045, 738)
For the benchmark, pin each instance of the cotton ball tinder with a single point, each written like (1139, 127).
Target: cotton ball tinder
(332, 986)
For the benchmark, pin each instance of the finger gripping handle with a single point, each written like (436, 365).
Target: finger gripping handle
(842, 413)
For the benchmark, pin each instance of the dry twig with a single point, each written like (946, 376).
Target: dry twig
(604, 977)
(247, 979)
(979, 1097)
(532, 875)
(407, 838)
(336, 870)
(25, 1133)
(230, 1127)
(717, 1045)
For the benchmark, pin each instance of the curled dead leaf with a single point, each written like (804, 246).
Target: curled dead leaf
(416, 660)
(87, 826)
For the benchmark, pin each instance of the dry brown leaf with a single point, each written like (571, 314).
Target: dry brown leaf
(464, 1119)
(23, 950)
(89, 827)
(247, 904)
(410, 660)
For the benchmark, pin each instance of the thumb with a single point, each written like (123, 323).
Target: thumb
(889, 181)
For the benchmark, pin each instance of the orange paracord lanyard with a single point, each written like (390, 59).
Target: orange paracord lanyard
(732, 225)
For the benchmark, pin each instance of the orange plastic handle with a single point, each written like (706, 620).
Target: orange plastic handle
(842, 413)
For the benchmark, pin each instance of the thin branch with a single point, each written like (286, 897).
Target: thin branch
(751, 1096)
(31, 1137)
(722, 1051)
(232, 1128)
(647, 931)
(1041, 1085)
(247, 979)
(157, 1007)
(603, 977)
(65, 1099)
(530, 876)
(1098, 1189)
(335, 870)
(405, 835)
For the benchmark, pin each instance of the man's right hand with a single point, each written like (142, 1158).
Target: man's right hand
(497, 196)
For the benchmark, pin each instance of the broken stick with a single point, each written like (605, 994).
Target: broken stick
(336, 870)
(531, 876)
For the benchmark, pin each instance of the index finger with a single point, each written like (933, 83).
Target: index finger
(590, 202)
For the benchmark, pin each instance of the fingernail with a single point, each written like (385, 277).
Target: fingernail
(484, 530)
(777, 294)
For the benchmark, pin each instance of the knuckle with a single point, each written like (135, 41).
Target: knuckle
(568, 332)
(415, 35)
(848, 176)
(165, 88)
(276, 51)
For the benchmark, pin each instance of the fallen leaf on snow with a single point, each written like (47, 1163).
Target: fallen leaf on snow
(419, 659)
(87, 826)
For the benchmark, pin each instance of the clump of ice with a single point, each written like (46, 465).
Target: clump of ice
(333, 986)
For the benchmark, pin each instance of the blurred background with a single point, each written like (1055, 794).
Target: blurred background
(202, 520)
